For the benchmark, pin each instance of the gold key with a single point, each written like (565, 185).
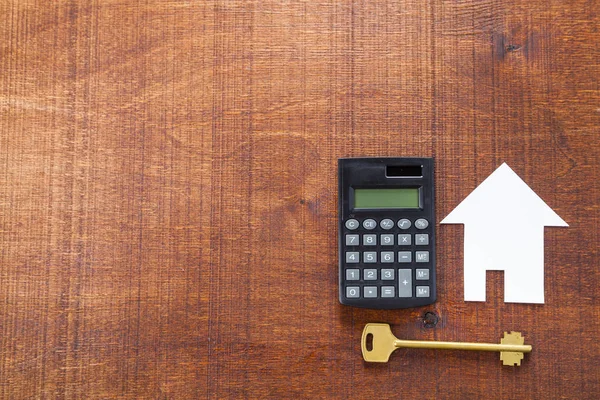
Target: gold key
(383, 343)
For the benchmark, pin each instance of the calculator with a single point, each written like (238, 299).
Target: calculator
(386, 232)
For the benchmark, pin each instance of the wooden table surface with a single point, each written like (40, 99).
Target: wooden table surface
(168, 192)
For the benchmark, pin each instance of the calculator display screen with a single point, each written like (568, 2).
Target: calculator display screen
(386, 198)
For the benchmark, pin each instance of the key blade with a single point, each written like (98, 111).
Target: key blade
(382, 340)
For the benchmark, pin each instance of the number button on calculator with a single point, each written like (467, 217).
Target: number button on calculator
(351, 240)
(370, 240)
(387, 240)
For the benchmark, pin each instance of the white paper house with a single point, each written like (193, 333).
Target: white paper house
(504, 231)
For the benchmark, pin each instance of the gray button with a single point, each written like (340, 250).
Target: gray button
(422, 256)
(404, 283)
(404, 239)
(352, 257)
(387, 274)
(370, 257)
(421, 223)
(351, 240)
(404, 223)
(369, 224)
(352, 274)
(370, 274)
(387, 291)
(404, 256)
(370, 292)
(353, 292)
(369, 240)
(352, 224)
(422, 274)
(386, 224)
(387, 257)
(422, 291)
(422, 239)
(387, 240)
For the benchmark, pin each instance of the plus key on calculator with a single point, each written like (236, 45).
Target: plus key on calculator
(386, 232)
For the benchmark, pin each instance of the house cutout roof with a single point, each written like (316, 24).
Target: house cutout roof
(504, 197)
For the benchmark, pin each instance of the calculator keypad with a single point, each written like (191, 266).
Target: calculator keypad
(387, 258)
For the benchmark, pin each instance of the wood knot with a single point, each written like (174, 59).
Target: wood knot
(430, 319)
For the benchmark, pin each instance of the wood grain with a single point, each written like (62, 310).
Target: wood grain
(168, 192)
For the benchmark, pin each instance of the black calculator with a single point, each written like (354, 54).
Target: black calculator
(386, 232)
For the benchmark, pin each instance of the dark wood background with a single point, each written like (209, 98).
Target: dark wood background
(168, 192)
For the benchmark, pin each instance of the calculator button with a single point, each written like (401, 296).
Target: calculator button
(422, 274)
(404, 239)
(422, 256)
(422, 291)
(370, 292)
(370, 274)
(369, 224)
(352, 257)
(404, 283)
(422, 239)
(352, 274)
(386, 224)
(387, 240)
(404, 223)
(369, 240)
(352, 224)
(353, 292)
(387, 257)
(370, 257)
(421, 223)
(387, 274)
(404, 256)
(351, 240)
(387, 291)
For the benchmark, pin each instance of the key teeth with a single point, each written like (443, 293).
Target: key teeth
(512, 358)
(512, 337)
